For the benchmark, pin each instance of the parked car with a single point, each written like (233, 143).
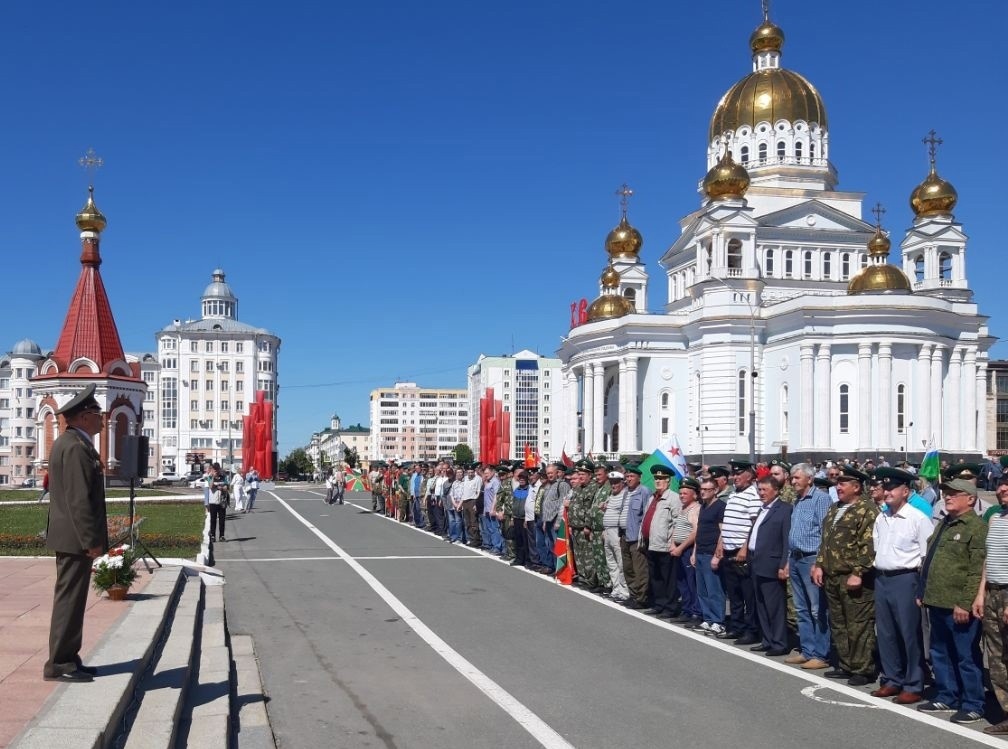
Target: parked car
(166, 478)
(198, 483)
(28, 484)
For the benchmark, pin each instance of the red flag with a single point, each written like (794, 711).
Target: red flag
(530, 458)
(561, 550)
(565, 458)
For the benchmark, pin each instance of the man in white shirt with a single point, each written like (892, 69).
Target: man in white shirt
(472, 489)
(900, 535)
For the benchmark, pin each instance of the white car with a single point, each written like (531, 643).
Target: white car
(198, 484)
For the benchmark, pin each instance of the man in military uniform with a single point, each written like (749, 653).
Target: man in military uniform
(844, 569)
(76, 531)
(504, 508)
(720, 476)
(781, 471)
(603, 490)
(581, 512)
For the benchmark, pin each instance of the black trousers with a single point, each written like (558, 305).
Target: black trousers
(530, 543)
(437, 517)
(662, 580)
(521, 548)
(66, 628)
(741, 596)
(217, 515)
(771, 609)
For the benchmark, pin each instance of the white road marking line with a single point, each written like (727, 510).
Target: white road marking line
(335, 559)
(810, 692)
(819, 681)
(532, 723)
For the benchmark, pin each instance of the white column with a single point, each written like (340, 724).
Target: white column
(954, 402)
(568, 402)
(621, 415)
(920, 398)
(632, 428)
(864, 397)
(598, 420)
(823, 403)
(806, 405)
(884, 441)
(937, 385)
(588, 408)
(968, 426)
(981, 399)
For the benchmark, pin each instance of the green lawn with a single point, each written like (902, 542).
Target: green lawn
(24, 495)
(169, 529)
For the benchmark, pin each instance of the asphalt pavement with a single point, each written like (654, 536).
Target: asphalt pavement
(373, 634)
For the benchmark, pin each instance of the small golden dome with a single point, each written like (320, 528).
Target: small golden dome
(624, 241)
(726, 179)
(879, 279)
(610, 278)
(90, 218)
(768, 36)
(608, 306)
(934, 196)
(879, 244)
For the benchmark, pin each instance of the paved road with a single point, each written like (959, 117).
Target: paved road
(372, 634)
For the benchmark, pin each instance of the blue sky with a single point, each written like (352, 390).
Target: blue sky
(395, 187)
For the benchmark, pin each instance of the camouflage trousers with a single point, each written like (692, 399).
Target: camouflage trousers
(584, 559)
(995, 637)
(599, 559)
(852, 622)
(508, 529)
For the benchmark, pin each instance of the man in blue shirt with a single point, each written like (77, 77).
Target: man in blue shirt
(416, 481)
(810, 506)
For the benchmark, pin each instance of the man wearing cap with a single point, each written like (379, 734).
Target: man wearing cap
(721, 476)
(741, 509)
(76, 532)
(710, 588)
(583, 525)
(489, 525)
(844, 569)
(684, 532)
(555, 494)
(472, 494)
(781, 470)
(533, 506)
(416, 494)
(635, 566)
(614, 505)
(810, 510)
(656, 530)
(900, 535)
(991, 602)
(950, 578)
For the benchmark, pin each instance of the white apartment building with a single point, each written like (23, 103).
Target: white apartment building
(18, 410)
(331, 445)
(413, 423)
(209, 372)
(529, 387)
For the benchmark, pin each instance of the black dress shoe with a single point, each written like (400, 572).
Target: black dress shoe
(774, 652)
(859, 680)
(73, 677)
(88, 669)
(746, 640)
(836, 673)
(760, 648)
(682, 618)
(632, 604)
(515, 563)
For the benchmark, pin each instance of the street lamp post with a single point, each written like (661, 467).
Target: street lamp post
(221, 369)
(752, 369)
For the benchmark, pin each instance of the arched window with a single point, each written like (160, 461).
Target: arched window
(630, 294)
(811, 151)
(901, 408)
(762, 153)
(768, 266)
(788, 263)
(807, 271)
(744, 155)
(863, 260)
(919, 267)
(945, 266)
(734, 253)
(781, 150)
(741, 401)
(798, 151)
(785, 408)
(708, 257)
(664, 401)
(844, 409)
(827, 266)
(844, 266)
(614, 441)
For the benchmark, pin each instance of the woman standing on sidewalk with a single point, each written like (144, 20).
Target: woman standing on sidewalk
(238, 491)
(216, 501)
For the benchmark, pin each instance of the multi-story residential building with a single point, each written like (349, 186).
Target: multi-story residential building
(208, 373)
(996, 407)
(18, 408)
(413, 423)
(335, 442)
(529, 387)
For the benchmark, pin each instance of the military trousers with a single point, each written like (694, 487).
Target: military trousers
(584, 559)
(66, 628)
(635, 570)
(599, 559)
(852, 621)
(995, 637)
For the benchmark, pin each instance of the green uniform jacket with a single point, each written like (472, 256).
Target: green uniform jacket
(954, 573)
(580, 510)
(77, 496)
(602, 492)
(787, 494)
(847, 547)
(504, 499)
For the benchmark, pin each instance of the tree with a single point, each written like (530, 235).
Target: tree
(352, 458)
(462, 453)
(297, 463)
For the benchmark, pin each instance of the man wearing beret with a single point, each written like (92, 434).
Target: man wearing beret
(76, 531)
(656, 531)
(844, 569)
(781, 470)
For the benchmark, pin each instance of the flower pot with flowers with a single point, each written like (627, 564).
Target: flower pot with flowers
(113, 573)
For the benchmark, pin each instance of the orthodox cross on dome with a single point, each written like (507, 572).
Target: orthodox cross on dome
(91, 161)
(932, 142)
(624, 192)
(766, 10)
(879, 212)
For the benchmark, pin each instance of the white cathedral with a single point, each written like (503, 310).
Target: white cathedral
(786, 329)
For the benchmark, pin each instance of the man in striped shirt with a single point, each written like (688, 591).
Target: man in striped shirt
(991, 603)
(741, 509)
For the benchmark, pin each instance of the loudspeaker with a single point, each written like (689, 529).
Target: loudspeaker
(133, 462)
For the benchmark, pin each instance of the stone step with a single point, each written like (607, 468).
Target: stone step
(89, 716)
(206, 719)
(251, 723)
(161, 693)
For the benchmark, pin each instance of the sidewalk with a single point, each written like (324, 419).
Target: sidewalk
(26, 590)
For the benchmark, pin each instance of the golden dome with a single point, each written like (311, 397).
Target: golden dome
(624, 241)
(608, 306)
(768, 36)
(879, 244)
(726, 179)
(879, 279)
(768, 95)
(90, 218)
(934, 196)
(610, 278)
